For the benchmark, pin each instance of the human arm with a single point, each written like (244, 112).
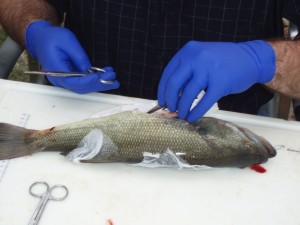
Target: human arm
(16, 15)
(287, 74)
(34, 25)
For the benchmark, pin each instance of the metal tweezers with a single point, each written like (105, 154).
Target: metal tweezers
(156, 108)
(68, 74)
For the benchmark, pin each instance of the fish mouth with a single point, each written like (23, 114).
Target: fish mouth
(270, 149)
(260, 141)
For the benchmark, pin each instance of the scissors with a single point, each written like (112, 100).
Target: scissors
(45, 195)
(68, 74)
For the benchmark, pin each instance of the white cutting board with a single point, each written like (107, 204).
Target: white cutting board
(140, 196)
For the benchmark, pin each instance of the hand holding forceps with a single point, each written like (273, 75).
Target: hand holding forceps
(68, 74)
(45, 196)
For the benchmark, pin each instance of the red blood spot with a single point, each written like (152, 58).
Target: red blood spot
(258, 168)
(109, 222)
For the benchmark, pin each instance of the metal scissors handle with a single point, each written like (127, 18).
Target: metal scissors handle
(68, 74)
(45, 196)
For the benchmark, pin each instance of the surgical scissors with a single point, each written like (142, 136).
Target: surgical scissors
(92, 69)
(45, 196)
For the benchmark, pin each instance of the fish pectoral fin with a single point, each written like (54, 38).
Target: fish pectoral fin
(167, 159)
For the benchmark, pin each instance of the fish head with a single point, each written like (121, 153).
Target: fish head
(259, 142)
(234, 142)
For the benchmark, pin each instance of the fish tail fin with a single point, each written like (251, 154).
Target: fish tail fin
(15, 141)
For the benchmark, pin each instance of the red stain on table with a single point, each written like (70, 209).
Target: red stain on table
(109, 222)
(258, 168)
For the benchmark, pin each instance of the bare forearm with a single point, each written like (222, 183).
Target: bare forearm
(287, 75)
(16, 15)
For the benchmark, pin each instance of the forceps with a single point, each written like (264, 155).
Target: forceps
(45, 196)
(156, 108)
(68, 74)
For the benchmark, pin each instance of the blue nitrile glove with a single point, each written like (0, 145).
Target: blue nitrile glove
(57, 49)
(222, 68)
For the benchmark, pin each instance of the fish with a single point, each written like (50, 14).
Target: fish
(209, 141)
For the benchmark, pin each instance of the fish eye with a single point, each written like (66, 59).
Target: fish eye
(248, 144)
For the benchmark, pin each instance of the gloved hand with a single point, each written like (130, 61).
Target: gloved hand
(57, 49)
(222, 68)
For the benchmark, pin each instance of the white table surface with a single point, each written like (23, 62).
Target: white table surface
(141, 196)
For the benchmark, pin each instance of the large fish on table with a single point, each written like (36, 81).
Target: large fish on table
(209, 141)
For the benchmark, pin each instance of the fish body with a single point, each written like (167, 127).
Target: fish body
(209, 141)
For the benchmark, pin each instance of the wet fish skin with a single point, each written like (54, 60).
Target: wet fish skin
(209, 141)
